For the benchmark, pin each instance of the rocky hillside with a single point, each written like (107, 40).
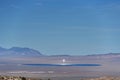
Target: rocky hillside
(12, 78)
(19, 78)
(24, 78)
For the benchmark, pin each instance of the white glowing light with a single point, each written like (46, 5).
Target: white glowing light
(63, 60)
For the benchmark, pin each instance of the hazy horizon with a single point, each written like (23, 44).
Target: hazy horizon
(58, 27)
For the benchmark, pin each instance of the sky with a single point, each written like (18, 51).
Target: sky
(61, 27)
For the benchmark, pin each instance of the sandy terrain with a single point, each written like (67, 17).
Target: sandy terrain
(13, 66)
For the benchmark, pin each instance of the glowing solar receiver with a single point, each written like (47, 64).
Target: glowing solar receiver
(63, 60)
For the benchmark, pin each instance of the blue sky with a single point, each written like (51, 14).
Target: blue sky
(75, 27)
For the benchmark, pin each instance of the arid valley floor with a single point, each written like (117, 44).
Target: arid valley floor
(13, 66)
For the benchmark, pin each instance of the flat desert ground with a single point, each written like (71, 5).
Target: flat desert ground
(14, 66)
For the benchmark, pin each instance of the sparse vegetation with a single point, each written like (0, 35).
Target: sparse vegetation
(24, 78)
(12, 78)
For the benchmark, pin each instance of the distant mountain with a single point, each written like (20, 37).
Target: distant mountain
(28, 52)
(2, 49)
(60, 55)
(109, 55)
(95, 56)
(18, 51)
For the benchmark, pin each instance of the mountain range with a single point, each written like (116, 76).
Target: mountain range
(28, 52)
(18, 51)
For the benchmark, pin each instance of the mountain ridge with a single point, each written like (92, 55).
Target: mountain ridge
(19, 51)
(24, 51)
